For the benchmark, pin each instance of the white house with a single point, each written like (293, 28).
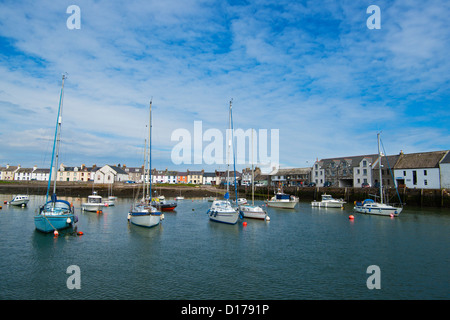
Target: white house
(419, 170)
(110, 174)
(444, 167)
(172, 177)
(209, 178)
(362, 173)
(24, 173)
(159, 176)
(40, 174)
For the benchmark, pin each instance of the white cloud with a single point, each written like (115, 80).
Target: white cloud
(311, 69)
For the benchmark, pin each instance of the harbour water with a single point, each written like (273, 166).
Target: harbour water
(305, 253)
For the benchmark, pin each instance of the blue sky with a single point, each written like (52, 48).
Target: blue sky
(311, 69)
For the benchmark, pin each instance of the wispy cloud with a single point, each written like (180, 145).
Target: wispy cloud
(309, 68)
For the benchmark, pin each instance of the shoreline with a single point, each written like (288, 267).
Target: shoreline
(438, 198)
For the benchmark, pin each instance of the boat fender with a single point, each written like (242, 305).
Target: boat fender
(215, 213)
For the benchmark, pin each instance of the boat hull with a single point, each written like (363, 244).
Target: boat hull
(48, 223)
(282, 204)
(321, 204)
(253, 212)
(379, 210)
(224, 217)
(92, 207)
(146, 220)
(19, 201)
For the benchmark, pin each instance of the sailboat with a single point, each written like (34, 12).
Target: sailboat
(222, 210)
(143, 213)
(379, 208)
(254, 212)
(55, 214)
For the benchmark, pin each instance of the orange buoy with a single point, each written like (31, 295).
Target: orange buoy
(5, 202)
(80, 233)
(244, 224)
(0, 207)
(351, 217)
(56, 233)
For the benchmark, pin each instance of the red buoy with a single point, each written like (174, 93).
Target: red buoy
(56, 233)
(244, 224)
(351, 217)
(80, 233)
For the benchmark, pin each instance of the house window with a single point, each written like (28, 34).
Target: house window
(364, 163)
(364, 172)
(425, 173)
(404, 173)
(425, 182)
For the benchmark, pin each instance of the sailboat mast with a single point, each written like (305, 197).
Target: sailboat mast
(150, 154)
(234, 155)
(379, 166)
(228, 153)
(144, 174)
(253, 177)
(56, 142)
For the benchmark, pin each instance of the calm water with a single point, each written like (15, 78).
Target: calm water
(306, 253)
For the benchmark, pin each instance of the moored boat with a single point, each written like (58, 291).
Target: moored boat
(93, 204)
(282, 200)
(369, 206)
(382, 208)
(164, 205)
(222, 210)
(20, 200)
(55, 214)
(252, 211)
(328, 202)
(143, 214)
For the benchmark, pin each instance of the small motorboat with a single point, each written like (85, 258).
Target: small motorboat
(20, 200)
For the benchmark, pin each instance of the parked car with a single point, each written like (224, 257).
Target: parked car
(327, 184)
(365, 185)
(311, 184)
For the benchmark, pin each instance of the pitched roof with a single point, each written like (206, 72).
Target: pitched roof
(291, 171)
(420, 160)
(446, 159)
(353, 161)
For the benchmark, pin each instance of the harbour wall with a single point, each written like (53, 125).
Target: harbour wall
(410, 197)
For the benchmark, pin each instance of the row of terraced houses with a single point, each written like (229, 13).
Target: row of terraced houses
(426, 170)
